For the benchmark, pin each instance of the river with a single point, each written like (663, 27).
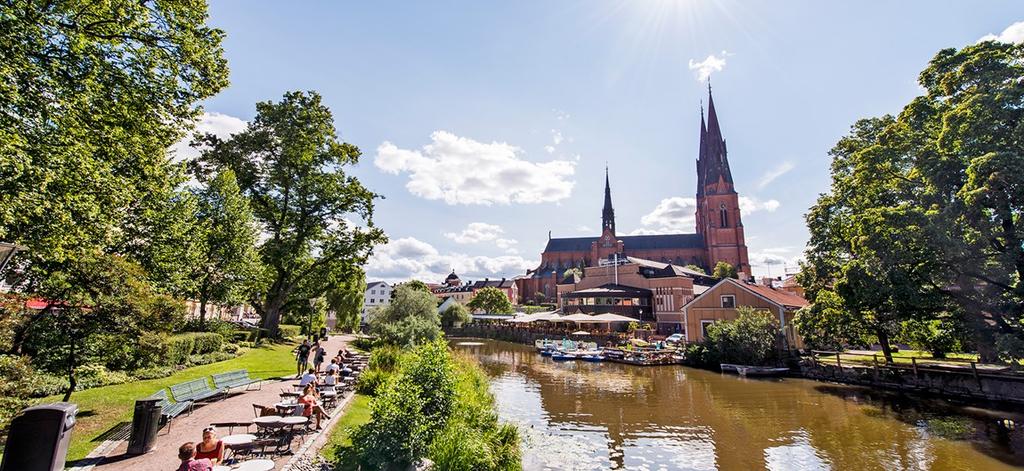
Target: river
(581, 416)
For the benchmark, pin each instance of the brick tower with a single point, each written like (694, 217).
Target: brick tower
(608, 244)
(718, 205)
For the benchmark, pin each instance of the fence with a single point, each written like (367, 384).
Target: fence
(952, 377)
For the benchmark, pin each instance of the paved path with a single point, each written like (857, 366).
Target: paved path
(187, 428)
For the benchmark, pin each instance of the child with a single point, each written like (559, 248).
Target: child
(187, 455)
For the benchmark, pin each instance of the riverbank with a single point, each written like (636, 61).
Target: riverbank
(579, 415)
(977, 384)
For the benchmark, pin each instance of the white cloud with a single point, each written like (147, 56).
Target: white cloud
(219, 124)
(1012, 34)
(476, 232)
(711, 64)
(750, 205)
(775, 261)
(561, 115)
(505, 243)
(774, 173)
(583, 228)
(409, 258)
(675, 214)
(549, 149)
(556, 136)
(460, 170)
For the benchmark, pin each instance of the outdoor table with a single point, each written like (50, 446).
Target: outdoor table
(255, 465)
(288, 406)
(221, 467)
(236, 440)
(267, 420)
(292, 422)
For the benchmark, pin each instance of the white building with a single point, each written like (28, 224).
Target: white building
(378, 293)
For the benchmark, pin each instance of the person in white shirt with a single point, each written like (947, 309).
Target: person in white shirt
(308, 378)
(333, 368)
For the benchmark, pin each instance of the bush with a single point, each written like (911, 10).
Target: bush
(94, 376)
(207, 342)
(182, 346)
(395, 436)
(371, 381)
(385, 358)
(365, 344)
(207, 358)
(288, 331)
(410, 319)
(217, 326)
(230, 348)
(242, 336)
(750, 339)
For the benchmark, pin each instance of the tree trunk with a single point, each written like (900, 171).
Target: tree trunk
(202, 312)
(883, 340)
(71, 372)
(272, 317)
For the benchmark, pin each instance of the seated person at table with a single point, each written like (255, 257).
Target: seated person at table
(333, 367)
(330, 379)
(211, 447)
(308, 378)
(312, 405)
(345, 371)
(187, 455)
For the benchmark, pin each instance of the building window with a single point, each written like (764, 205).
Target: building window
(724, 215)
(704, 327)
(373, 291)
(728, 301)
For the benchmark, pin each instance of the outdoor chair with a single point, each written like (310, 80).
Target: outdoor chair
(260, 411)
(235, 379)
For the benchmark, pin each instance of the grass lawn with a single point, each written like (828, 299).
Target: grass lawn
(100, 409)
(903, 357)
(357, 413)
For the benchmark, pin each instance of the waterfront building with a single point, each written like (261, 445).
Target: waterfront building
(718, 237)
(721, 302)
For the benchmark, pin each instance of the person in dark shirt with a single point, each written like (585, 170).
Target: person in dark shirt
(187, 455)
(301, 357)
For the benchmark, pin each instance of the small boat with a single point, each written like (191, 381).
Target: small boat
(547, 352)
(562, 356)
(592, 357)
(748, 370)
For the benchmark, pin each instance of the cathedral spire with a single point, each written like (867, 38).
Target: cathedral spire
(714, 163)
(607, 214)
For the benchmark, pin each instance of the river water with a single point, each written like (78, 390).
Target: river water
(578, 416)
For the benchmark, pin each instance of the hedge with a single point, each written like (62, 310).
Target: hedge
(181, 346)
(288, 331)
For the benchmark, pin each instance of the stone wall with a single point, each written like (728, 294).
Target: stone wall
(951, 382)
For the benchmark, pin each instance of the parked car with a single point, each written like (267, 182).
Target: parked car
(674, 338)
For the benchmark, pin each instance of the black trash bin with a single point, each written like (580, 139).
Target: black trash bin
(145, 423)
(38, 438)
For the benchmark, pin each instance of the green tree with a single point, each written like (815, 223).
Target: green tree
(410, 318)
(93, 95)
(228, 259)
(455, 314)
(291, 165)
(750, 339)
(491, 300)
(929, 203)
(826, 324)
(724, 269)
(346, 300)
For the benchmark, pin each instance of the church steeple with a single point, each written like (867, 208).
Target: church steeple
(608, 213)
(713, 162)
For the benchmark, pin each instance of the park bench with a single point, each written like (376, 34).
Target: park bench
(195, 391)
(234, 379)
(168, 409)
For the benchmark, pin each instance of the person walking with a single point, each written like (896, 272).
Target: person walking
(318, 356)
(301, 358)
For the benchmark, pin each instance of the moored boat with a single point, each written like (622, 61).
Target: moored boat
(749, 370)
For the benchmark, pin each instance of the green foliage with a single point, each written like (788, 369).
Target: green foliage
(924, 217)
(371, 381)
(346, 300)
(385, 358)
(696, 269)
(291, 166)
(456, 314)
(724, 270)
(697, 354)
(290, 331)
(827, 324)
(750, 339)
(179, 348)
(410, 319)
(534, 309)
(937, 336)
(433, 406)
(491, 300)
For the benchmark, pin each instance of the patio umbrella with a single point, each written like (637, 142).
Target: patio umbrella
(609, 317)
(580, 332)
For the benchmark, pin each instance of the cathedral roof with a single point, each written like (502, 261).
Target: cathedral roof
(641, 242)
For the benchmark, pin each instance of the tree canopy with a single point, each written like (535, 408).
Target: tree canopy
(410, 318)
(724, 269)
(291, 165)
(923, 220)
(455, 314)
(491, 300)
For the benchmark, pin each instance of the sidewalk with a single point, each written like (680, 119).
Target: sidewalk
(189, 427)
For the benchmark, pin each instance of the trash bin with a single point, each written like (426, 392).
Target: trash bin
(38, 438)
(145, 423)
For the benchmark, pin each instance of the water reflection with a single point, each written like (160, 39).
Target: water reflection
(576, 415)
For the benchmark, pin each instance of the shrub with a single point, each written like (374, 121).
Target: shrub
(385, 358)
(365, 344)
(242, 336)
(371, 381)
(288, 331)
(207, 342)
(229, 348)
(94, 376)
(179, 347)
(410, 319)
(750, 339)
(155, 372)
(207, 358)
(396, 435)
(214, 325)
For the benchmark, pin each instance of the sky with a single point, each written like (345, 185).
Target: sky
(487, 125)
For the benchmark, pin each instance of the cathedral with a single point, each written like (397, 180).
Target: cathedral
(718, 236)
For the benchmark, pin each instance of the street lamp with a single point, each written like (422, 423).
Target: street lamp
(312, 307)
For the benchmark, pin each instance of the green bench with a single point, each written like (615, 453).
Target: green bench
(234, 379)
(195, 391)
(169, 410)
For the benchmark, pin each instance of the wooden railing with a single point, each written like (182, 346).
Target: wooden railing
(932, 365)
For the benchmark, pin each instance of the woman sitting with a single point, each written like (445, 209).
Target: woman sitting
(312, 406)
(211, 447)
